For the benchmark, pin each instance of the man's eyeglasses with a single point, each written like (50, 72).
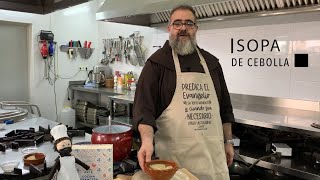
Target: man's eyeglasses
(178, 24)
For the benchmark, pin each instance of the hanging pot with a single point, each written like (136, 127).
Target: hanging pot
(118, 135)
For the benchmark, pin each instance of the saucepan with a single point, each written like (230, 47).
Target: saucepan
(118, 135)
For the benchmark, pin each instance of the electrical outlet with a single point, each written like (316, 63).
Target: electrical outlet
(83, 68)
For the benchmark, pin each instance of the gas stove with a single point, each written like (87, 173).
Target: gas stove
(257, 142)
(127, 166)
(28, 137)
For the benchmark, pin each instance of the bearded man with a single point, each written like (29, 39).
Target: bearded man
(182, 106)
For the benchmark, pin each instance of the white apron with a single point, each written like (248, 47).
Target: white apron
(68, 169)
(190, 129)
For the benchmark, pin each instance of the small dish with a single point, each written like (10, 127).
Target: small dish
(9, 166)
(161, 169)
(29, 150)
(34, 159)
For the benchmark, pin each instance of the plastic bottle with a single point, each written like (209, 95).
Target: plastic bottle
(126, 78)
(120, 83)
(133, 85)
(68, 117)
(115, 82)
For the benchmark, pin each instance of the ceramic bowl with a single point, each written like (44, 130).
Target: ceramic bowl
(34, 159)
(161, 169)
(9, 166)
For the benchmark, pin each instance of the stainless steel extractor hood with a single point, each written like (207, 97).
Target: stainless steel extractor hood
(148, 13)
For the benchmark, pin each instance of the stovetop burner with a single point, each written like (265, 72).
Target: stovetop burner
(28, 137)
(127, 166)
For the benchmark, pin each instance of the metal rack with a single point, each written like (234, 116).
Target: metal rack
(11, 110)
(129, 48)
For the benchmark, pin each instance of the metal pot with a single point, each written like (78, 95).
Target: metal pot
(97, 78)
(118, 135)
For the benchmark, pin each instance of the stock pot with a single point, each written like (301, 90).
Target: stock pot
(118, 135)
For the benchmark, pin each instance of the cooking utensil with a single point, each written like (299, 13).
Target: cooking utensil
(105, 60)
(128, 50)
(118, 135)
(112, 50)
(118, 50)
(138, 52)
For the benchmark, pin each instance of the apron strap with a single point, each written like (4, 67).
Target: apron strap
(203, 63)
(177, 63)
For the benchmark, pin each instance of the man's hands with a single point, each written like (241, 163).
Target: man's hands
(146, 149)
(144, 154)
(229, 153)
(227, 133)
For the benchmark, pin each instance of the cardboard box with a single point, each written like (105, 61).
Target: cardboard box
(100, 159)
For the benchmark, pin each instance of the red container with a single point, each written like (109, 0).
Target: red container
(118, 135)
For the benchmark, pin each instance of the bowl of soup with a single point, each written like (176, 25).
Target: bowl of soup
(34, 159)
(161, 169)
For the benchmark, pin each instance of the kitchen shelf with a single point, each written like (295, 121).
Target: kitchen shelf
(289, 121)
(88, 124)
(85, 52)
(124, 120)
(65, 48)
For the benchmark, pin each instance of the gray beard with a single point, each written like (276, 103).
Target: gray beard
(183, 48)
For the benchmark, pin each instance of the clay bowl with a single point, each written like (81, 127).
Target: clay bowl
(161, 169)
(34, 159)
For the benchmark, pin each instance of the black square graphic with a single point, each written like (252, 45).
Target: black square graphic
(301, 60)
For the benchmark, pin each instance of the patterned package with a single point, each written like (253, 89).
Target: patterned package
(98, 157)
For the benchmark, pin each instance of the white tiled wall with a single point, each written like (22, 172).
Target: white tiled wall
(293, 36)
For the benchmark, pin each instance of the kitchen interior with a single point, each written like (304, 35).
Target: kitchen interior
(78, 63)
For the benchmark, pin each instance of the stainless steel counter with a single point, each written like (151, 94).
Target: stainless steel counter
(277, 113)
(256, 111)
(101, 90)
(124, 98)
(46, 147)
(290, 121)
